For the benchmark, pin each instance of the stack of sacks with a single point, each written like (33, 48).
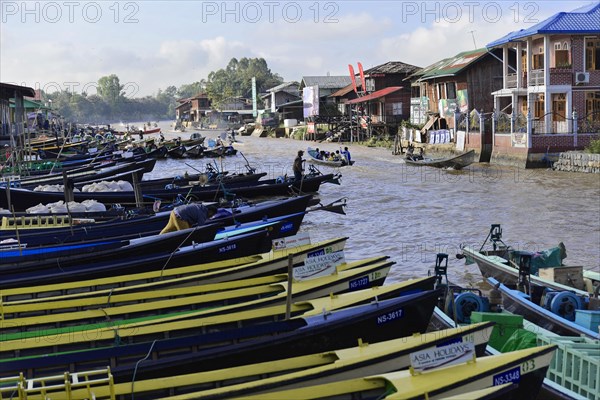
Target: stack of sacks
(61, 208)
(52, 188)
(112, 186)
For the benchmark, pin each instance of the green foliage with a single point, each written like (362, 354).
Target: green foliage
(111, 104)
(594, 147)
(235, 80)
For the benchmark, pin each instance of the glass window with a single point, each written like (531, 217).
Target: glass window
(592, 54)
(451, 90)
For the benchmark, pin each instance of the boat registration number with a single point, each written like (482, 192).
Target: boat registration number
(359, 283)
(512, 375)
(227, 248)
(389, 317)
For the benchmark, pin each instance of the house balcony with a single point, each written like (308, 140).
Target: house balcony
(536, 78)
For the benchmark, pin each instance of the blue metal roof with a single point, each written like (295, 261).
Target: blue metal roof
(584, 20)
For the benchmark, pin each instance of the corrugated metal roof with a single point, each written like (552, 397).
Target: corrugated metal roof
(450, 66)
(392, 67)
(376, 94)
(7, 90)
(326, 82)
(584, 20)
(284, 85)
(345, 90)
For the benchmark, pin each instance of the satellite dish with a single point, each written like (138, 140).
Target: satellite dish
(203, 179)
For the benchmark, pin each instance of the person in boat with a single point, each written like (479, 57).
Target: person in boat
(346, 154)
(319, 155)
(420, 155)
(187, 215)
(410, 152)
(298, 166)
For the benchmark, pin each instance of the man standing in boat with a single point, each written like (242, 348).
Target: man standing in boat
(298, 166)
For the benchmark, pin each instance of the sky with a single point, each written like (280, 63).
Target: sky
(150, 45)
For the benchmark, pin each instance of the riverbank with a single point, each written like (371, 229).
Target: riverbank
(577, 161)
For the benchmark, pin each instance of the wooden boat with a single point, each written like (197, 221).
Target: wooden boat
(313, 368)
(503, 262)
(558, 313)
(312, 153)
(107, 248)
(456, 162)
(34, 233)
(265, 264)
(237, 246)
(333, 330)
(135, 131)
(176, 151)
(22, 199)
(125, 309)
(512, 332)
(201, 179)
(95, 174)
(194, 322)
(525, 367)
(196, 151)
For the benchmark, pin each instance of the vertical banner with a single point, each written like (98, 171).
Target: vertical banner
(310, 101)
(362, 77)
(254, 106)
(353, 77)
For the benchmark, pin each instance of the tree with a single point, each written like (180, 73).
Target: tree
(236, 79)
(110, 90)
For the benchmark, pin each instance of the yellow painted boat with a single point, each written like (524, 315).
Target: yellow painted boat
(123, 308)
(524, 367)
(77, 337)
(364, 359)
(214, 272)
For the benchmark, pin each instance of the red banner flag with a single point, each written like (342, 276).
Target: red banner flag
(353, 77)
(362, 77)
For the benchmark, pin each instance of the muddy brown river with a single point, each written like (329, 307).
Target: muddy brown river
(411, 213)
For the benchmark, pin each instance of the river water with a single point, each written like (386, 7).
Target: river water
(410, 213)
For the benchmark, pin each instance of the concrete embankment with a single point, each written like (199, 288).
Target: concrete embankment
(575, 161)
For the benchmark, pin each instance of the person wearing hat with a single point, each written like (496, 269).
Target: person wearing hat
(298, 166)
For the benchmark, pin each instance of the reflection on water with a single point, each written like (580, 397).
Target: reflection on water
(411, 213)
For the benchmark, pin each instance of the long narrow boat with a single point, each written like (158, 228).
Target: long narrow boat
(456, 162)
(502, 262)
(22, 199)
(96, 174)
(261, 343)
(237, 246)
(257, 265)
(524, 367)
(557, 317)
(314, 159)
(36, 234)
(319, 369)
(192, 323)
(123, 309)
(100, 249)
(511, 332)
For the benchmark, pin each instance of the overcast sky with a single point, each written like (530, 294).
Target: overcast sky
(150, 45)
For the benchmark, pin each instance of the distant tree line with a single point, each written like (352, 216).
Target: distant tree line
(111, 103)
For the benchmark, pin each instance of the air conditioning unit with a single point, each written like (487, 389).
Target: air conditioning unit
(582, 77)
